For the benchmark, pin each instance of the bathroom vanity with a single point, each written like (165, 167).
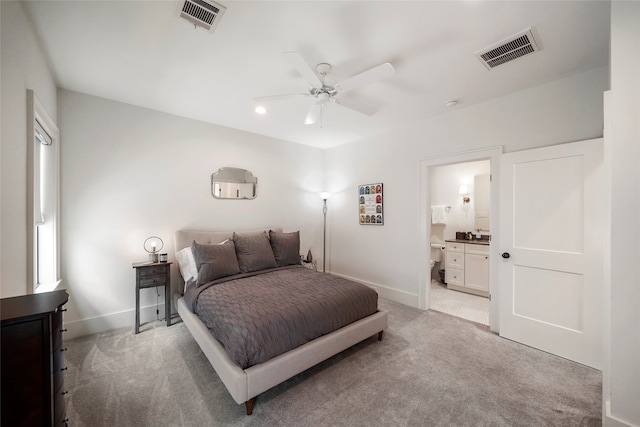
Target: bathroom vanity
(467, 266)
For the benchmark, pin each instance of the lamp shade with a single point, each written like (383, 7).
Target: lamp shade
(153, 244)
(463, 190)
(324, 195)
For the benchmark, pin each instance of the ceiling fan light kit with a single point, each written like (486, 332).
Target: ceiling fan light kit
(323, 92)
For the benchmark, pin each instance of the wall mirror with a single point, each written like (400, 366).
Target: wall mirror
(481, 186)
(234, 183)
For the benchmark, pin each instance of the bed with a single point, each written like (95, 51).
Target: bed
(245, 377)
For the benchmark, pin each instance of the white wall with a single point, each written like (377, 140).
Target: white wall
(621, 379)
(24, 66)
(566, 110)
(444, 183)
(129, 173)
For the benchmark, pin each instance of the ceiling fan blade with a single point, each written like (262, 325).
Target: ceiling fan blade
(366, 108)
(305, 70)
(376, 73)
(313, 114)
(269, 98)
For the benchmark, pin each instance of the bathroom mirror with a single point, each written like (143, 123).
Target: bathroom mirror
(234, 183)
(481, 185)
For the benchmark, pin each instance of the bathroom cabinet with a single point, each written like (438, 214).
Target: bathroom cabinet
(467, 267)
(454, 264)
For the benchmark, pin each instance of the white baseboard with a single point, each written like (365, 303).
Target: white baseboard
(388, 293)
(611, 421)
(109, 322)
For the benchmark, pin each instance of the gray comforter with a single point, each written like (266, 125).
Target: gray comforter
(259, 316)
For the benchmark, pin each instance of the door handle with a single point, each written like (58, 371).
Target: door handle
(505, 255)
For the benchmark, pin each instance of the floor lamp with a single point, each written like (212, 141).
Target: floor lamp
(324, 196)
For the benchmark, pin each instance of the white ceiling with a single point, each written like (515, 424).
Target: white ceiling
(142, 53)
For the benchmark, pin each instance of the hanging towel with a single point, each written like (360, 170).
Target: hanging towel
(438, 214)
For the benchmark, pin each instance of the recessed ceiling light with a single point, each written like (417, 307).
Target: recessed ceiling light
(451, 103)
(260, 109)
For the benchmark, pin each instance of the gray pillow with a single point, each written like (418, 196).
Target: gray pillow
(254, 252)
(214, 261)
(286, 247)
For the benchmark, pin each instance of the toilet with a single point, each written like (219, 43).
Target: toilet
(437, 255)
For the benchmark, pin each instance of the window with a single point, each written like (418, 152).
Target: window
(43, 198)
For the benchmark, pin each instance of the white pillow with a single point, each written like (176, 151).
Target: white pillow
(187, 265)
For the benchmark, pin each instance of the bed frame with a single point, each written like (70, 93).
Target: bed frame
(245, 384)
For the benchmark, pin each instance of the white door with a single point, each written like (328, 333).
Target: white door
(550, 270)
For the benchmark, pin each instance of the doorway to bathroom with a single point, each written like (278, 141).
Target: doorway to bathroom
(459, 216)
(460, 233)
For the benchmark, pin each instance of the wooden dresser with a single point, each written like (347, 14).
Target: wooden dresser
(32, 359)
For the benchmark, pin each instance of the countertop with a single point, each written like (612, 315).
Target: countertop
(473, 242)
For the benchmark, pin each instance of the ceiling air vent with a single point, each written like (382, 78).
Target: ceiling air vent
(511, 48)
(200, 13)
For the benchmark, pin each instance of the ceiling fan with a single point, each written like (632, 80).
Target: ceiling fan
(322, 92)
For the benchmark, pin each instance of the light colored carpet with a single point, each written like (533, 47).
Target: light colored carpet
(459, 304)
(431, 369)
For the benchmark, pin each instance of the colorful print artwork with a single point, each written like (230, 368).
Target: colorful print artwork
(370, 204)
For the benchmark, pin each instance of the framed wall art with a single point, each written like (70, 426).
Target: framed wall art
(370, 204)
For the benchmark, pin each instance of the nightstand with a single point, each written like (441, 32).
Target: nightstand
(151, 275)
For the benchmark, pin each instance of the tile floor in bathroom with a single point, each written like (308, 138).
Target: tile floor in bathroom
(460, 304)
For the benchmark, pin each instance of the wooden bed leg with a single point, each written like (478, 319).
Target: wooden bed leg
(249, 405)
(380, 335)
